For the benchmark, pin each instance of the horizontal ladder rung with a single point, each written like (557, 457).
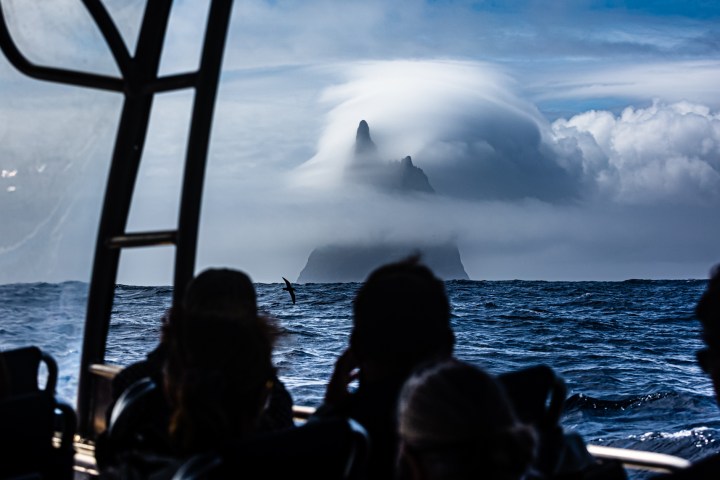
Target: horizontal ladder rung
(143, 239)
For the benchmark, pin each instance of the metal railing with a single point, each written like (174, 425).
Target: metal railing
(640, 459)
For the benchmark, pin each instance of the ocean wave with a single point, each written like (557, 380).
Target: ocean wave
(580, 401)
(607, 340)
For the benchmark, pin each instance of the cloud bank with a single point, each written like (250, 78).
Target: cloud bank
(465, 124)
(664, 153)
(595, 195)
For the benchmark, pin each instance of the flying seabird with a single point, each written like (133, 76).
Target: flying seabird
(290, 289)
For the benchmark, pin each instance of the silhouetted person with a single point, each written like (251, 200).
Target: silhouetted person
(455, 422)
(217, 380)
(218, 291)
(708, 312)
(401, 318)
(219, 376)
(227, 292)
(212, 355)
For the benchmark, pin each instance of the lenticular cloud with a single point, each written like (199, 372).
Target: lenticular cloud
(479, 140)
(461, 123)
(662, 153)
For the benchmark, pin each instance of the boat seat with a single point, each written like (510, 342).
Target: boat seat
(23, 370)
(30, 418)
(138, 422)
(331, 449)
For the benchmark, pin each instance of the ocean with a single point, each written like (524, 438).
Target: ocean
(626, 350)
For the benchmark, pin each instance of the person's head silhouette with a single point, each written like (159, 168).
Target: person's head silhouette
(401, 319)
(219, 371)
(221, 290)
(401, 316)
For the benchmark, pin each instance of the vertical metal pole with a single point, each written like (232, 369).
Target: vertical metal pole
(129, 143)
(198, 140)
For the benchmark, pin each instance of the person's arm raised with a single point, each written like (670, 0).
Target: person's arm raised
(344, 373)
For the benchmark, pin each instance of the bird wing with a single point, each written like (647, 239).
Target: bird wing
(289, 288)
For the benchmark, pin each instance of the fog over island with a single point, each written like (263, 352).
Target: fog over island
(352, 260)
(563, 141)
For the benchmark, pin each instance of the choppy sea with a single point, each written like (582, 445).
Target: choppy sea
(625, 349)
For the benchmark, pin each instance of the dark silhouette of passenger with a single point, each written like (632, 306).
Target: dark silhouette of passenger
(708, 312)
(213, 350)
(216, 291)
(456, 422)
(401, 319)
(223, 291)
(219, 372)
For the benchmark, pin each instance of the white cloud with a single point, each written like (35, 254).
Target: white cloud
(665, 153)
(461, 122)
(673, 81)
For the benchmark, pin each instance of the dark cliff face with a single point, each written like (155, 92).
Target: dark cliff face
(413, 178)
(353, 263)
(399, 176)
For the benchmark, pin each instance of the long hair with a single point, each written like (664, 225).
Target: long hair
(219, 368)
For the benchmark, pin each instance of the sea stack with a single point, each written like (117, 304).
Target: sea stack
(353, 262)
(363, 143)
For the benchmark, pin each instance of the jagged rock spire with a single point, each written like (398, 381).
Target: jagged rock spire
(397, 175)
(363, 142)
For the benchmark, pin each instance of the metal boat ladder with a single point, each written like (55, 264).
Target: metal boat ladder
(138, 82)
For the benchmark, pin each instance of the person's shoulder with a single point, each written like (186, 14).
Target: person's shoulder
(705, 468)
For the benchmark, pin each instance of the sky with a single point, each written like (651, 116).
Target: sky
(564, 140)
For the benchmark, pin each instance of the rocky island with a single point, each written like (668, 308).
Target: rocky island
(353, 262)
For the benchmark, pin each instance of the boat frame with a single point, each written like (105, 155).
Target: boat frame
(138, 83)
